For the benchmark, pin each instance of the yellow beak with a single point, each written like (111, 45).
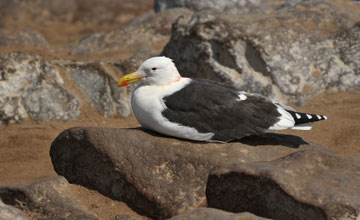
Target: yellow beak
(128, 79)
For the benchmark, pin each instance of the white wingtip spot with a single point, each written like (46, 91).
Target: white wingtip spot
(325, 117)
(242, 97)
(309, 116)
(318, 116)
(298, 116)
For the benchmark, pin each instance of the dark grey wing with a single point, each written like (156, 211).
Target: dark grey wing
(210, 106)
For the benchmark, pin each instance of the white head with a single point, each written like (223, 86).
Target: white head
(154, 71)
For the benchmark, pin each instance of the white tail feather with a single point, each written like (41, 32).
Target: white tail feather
(304, 127)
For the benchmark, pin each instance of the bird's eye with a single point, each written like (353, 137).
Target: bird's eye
(153, 69)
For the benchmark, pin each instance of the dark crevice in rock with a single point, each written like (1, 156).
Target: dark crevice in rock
(118, 188)
(258, 195)
(222, 55)
(255, 61)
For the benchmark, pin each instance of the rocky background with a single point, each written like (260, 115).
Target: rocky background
(59, 64)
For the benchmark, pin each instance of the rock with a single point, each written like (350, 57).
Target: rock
(151, 33)
(215, 214)
(290, 54)
(26, 38)
(8, 212)
(97, 80)
(29, 85)
(157, 176)
(45, 199)
(232, 6)
(90, 12)
(348, 46)
(307, 184)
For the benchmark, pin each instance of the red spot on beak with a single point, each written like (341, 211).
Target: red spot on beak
(124, 84)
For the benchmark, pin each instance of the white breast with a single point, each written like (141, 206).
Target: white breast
(147, 104)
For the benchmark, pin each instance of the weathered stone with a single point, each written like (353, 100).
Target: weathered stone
(215, 214)
(348, 46)
(289, 54)
(308, 184)
(97, 80)
(151, 33)
(91, 12)
(160, 177)
(46, 199)
(26, 38)
(8, 212)
(30, 85)
(228, 6)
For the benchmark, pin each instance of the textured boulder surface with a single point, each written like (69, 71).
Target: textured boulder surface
(45, 199)
(25, 38)
(29, 85)
(228, 6)
(8, 212)
(293, 53)
(72, 11)
(215, 214)
(301, 185)
(150, 32)
(160, 177)
(97, 80)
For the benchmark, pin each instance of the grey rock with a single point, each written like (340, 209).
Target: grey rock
(290, 54)
(48, 198)
(216, 214)
(302, 185)
(151, 33)
(97, 80)
(157, 176)
(90, 12)
(37, 11)
(8, 212)
(348, 46)
(125, 217)
(26, 38)
(228, 6)
(29, 85)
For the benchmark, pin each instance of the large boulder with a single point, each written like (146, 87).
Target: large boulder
(22, 38)
(8, 212)
(48, 198)
(151, 31)
(90, 12)
(29, 85)
(228, 6)
(215, 214)
(160, 177)
(97, 80)
(301, 185)
(293, 53)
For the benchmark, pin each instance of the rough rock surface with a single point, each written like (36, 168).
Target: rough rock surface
(159, 177)
(215, 214)
(75, 11)
(26, 38)
(29, 85)
(45, 199)
(8, 212)
(150, 33)
(302, 185)
(291, 54)
(97, 80)
(228, 6)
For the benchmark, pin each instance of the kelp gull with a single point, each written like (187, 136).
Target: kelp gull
(204, 110)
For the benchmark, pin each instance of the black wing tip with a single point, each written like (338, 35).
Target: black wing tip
(303, 118)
